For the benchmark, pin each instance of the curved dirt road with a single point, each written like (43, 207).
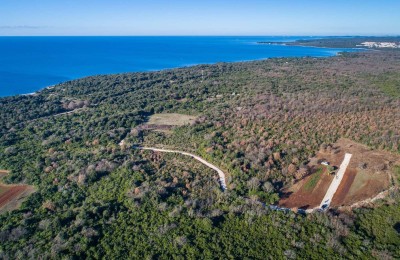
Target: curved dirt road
(221, 174)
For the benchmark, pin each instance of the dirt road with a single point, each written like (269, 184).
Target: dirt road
(326, 201)
(221, 174)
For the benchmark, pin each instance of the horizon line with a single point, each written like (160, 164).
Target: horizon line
(215, 35)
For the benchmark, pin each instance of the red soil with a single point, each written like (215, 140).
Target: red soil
(358, 183)
(307, 199)
(10, 194)
(344, 187)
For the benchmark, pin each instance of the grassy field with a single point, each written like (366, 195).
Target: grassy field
(172, 119)
(312, 182)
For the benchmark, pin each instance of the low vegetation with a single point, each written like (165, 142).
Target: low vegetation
(384, 238)
(312, 182)
(389, 83)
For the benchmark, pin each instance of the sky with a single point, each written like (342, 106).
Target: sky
(203, 17)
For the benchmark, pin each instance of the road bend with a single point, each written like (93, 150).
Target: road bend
(221, 174)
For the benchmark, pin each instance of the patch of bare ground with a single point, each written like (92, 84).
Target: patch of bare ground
(165, 122)
(367, 175)
(3, 173)
(366, 185)
(344, 187)
(171, 119)
(363, 157)
(301, 196)
(11, 196)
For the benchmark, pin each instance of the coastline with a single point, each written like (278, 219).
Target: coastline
(319, 47)
(356, 42)
(337, 53)
(230, 58)
(166, 69)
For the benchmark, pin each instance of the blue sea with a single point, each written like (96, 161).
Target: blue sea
(28, 64)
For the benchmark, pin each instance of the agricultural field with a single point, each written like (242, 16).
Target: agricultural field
(11, 196)
(369, 173)
(307, 193)
(3, 189)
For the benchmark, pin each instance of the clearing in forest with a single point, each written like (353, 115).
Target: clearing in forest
(309, 192)
(165, 122)
(3, 173)
(171, 119)
(368, 173)
(11, 196)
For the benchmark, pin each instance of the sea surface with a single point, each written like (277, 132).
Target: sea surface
(28, 64)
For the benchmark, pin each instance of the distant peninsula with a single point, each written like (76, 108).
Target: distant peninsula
(392, 42)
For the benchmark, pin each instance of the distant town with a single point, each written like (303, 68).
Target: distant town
(380, 44)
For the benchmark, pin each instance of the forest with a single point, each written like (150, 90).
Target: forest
(259, 121)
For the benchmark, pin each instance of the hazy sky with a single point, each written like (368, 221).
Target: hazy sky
(205, 17)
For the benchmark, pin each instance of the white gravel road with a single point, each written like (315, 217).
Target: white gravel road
(335, 182)
(221, 174)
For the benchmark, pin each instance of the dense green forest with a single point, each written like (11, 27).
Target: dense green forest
(259, 121)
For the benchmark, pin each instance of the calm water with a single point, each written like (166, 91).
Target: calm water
(28, 64)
